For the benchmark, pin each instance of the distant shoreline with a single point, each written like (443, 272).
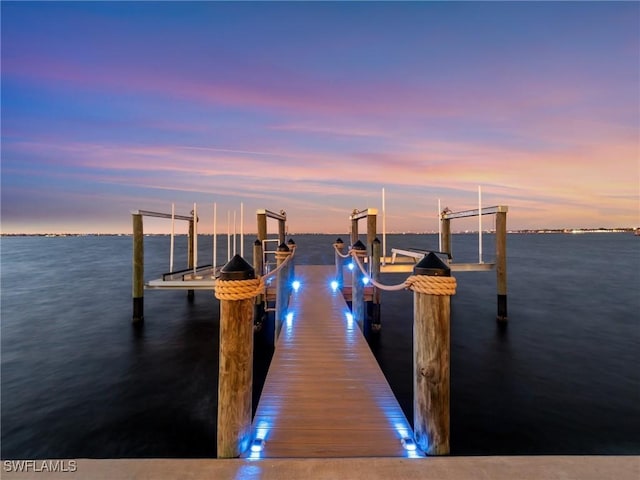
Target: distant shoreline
(569, 231)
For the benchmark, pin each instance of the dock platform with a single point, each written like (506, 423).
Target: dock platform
(325, 395)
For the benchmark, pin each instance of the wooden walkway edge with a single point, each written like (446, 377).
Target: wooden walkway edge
(325, 395)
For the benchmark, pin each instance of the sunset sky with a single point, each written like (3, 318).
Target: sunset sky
(314, 108)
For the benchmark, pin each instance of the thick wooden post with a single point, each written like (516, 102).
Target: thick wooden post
(354, 229)
(281, 230)
(282, 289)
(357, 287)
(339, 245)
(190, 254)
(501, 264)
(376, 250)
(262, 226)
(292, 265)
(235, 378)
(446, 235)
(431, 347)
(137, 291)
(258, 260)
(371, 230)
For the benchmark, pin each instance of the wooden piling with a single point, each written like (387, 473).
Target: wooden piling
(446, 235)
(292, 266)
(376, 250)
(235, 378)
(357, 287)
(431, 347)
(501, 264)
(339, 249)
(262, 225)
(281, 229)
(138, 269)
(258, 259)
(371, 229)
(258, 265)
(282, 289)
(354, 230)
(190, 254)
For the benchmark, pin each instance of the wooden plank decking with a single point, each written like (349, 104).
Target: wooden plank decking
(325, 395)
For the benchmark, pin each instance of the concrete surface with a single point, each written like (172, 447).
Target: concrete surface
(441, 468)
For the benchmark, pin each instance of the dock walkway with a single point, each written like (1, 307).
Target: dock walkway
(325, 395)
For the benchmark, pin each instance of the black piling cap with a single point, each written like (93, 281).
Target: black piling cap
(257, 243)
(291, 242)
(376, 241)
(358, 246)
(432, 266)
(237, 269)
(339, 240)
(282, 247)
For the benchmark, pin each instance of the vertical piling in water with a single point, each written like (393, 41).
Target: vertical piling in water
(137, 291)
(190, 253)
(292, 268)
(376, 250)
(258, 260)
(258, 257)
(357, 289)
(501, 264)
(354, 230)
(281, 229)
(433, 286)
(446, 235)
(235, 378)
(262, 226)
(339, 249)
(371, 229)
(282, 289)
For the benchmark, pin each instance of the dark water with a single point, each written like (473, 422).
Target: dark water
(79, 381)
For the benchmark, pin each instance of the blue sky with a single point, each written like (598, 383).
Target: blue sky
(315, 107)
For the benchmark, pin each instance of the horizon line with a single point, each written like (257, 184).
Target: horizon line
(407, 232)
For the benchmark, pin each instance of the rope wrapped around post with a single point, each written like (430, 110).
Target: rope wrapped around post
(283, 255)
(431, 285)
(239, 289)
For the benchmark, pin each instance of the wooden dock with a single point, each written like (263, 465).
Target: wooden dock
(325, 395)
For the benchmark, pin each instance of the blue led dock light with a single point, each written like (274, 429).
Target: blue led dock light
(365, 280)
(350, 265)
(295, 285)
(334, 285)
(349, 316)
(258, 445)
(408, 444)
